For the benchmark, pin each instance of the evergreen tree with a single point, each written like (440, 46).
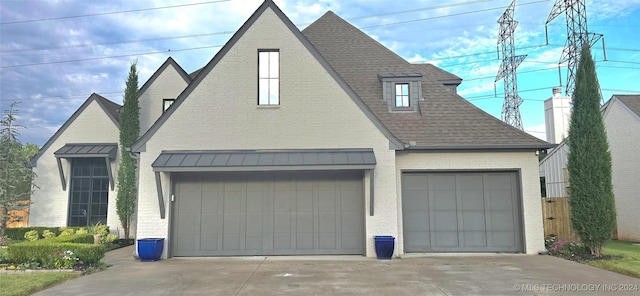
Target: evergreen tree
(589, 162)
(129, 132)
(16, 179)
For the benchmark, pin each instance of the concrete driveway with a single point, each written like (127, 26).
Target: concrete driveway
(345, 275)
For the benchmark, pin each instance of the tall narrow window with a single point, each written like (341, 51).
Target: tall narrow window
(402, 95)
(268, 77)
(89, 196)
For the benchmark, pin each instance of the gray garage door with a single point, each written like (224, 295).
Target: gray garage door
(268, 213)
(463, 212)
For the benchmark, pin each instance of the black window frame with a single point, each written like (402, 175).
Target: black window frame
(89, 183)
(164, 104)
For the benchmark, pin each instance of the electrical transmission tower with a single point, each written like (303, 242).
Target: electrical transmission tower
(577, 36)
(510, 61)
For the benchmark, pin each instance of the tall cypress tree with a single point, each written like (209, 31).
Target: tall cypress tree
(589, 162)
(129, 132)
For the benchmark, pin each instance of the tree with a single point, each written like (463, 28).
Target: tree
(589, 162)
(16, 179)
(129, 132)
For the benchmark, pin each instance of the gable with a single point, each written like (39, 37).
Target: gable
(91, 123)
(220, 111)
(287, 27)
(166, 83)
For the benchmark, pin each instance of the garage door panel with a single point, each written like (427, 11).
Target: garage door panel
(474, 238)
(473, 221)
(327, 222)
(418, 219)
(445, 212)
(304, 201)
(502, 238)
(276, 213)
(327, 201)
(445, 221)
(446, 239)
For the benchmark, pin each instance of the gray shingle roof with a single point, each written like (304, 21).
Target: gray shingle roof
(112, 108)
(632, 101)
(445, 120)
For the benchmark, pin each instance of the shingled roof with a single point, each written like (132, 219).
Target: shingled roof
(444, 121)
(112, 108)
(631, 101)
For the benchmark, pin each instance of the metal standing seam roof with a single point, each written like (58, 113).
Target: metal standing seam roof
(87, 150)
(215, 160)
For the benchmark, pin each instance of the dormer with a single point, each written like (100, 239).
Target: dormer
(401, 91)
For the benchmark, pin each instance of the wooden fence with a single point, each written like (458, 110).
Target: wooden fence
(556, 215)
(21, 213)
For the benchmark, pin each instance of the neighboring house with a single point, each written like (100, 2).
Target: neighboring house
(621, 116)
(313, 142)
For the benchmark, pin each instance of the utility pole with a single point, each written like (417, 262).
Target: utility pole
(577, 36)
(510, 61)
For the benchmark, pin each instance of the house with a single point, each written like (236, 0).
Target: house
(313, 142)
(621, 115)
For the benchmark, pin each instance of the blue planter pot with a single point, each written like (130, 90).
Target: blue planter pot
(384, 246)
(150, 249)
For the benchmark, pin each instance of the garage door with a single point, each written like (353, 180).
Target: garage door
(464, 212)
(268, 213)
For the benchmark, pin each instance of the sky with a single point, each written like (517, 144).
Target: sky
(54, 54)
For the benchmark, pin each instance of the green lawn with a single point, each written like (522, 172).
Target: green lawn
(28, 283)
(629, 264)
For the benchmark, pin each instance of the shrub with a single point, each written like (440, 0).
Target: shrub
(66, 259)
(40, 250)
(18, 233)
(48, 233)
(82, 231)
(76, 238)
(32, 235)
(4, 240)
(4, 257)
(64, 231)
(567, 248)
(109, 238)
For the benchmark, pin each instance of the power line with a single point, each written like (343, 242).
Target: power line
(110, 57)
(449, 15)
(108, 13)
(118, 42)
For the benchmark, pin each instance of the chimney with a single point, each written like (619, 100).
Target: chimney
(557, 91)
(557, 111)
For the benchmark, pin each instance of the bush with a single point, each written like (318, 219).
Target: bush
(48, 233)
(82, 231)
(4, 257)
(32, 235)
(565, 248)
(64, 231)
(80, 245)
(18, 233)
(4, 240)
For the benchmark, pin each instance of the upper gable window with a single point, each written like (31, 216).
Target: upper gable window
(402, 94)
(401, 91)
(166, 103)
(268, 77)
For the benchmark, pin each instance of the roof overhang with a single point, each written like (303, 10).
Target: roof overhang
(264, 160)
(108, 151)
(492, 147)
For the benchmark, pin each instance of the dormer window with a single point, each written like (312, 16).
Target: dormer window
(401, 91)
(166, 103)
(402, 95)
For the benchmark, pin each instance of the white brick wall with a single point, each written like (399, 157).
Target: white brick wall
(623, 132)
(314, 112)
(526, 162)
(168, 85)
(50, 202)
